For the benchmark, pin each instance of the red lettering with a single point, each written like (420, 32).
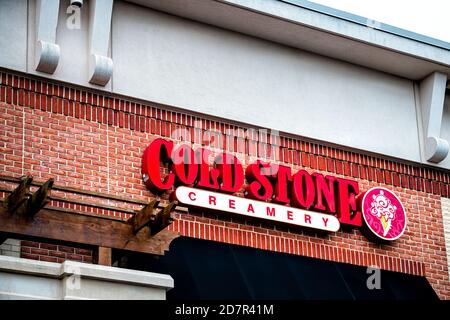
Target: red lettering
(346, 208)
(302, 189)
(289, 215)
(163, 166)
(307, 218)
(231, 172)
(259, 186)
(281, 185)
(157, 152)
(324, 191)
(184, 166)
(208, 178)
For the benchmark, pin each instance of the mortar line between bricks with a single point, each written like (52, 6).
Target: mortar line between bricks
(23, 140)
(421, 234)
(107, 155)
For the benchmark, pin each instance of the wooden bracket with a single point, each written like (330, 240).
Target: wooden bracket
(163, 219)
(144, 217)
(21, 202)
(155, 221)
(19, 195)
(39, 199)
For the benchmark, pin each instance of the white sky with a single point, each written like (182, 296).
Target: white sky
(427, 17)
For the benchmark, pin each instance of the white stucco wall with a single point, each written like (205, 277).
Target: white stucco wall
(13, 34)
(194, 66)
(213, 71)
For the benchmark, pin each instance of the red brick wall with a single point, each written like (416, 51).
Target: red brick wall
(54, 252)
(95, 142)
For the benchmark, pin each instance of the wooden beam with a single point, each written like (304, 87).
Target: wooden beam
(164, 218)
(19, 195)
(84, 229)
(144, 217)
(39, 198)
(104, 256)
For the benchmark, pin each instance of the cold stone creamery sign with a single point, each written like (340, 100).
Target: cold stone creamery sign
(272, 191)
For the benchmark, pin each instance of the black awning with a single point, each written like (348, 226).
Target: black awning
(211, 270)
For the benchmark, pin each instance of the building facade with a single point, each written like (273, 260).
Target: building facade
(85, 90)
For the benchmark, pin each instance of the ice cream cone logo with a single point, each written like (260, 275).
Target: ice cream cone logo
(383, 213)
(386, 223)
(383, 209)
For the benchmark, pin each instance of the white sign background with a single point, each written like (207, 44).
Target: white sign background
(238, 205)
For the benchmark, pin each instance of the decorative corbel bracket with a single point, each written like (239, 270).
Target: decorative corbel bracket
(432, 95)
(100, 65)
(47, 51)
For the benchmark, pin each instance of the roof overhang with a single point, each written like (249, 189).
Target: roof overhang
(319, 29)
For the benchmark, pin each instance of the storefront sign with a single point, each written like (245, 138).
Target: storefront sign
(272, 191)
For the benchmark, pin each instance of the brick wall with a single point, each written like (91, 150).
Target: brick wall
(94, 142)
(54, 252)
